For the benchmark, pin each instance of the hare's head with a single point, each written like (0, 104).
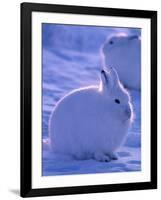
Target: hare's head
(116, 96)
(121, 42)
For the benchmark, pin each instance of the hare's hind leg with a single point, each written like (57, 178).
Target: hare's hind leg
(100, 156)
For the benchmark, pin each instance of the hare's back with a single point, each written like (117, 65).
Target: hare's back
(78, 99)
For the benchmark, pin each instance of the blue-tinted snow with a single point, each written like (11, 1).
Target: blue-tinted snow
(71, 59)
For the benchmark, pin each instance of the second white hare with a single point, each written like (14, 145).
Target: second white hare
(124, 53)
(92, 122)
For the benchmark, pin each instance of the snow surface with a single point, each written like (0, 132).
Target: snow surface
(71, 59)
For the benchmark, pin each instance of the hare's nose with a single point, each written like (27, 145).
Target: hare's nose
(128, 112)
(133, 37)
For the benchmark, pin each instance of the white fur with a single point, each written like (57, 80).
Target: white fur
(124, 53)
(88, 123)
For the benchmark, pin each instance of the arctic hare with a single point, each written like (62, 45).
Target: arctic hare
(92, 122)
(124, 53)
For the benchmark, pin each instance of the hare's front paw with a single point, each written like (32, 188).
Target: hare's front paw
(99, 156)
(113, 156)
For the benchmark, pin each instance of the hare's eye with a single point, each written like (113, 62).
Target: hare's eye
(117, 101)
(111, 42)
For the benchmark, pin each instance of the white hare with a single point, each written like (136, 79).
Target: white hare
(124, 53)
(92, 122)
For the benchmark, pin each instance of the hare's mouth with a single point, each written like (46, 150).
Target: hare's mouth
(127, 118)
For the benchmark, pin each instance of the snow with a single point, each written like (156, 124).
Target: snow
(71, 59)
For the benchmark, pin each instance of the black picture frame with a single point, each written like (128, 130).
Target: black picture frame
(26, 104)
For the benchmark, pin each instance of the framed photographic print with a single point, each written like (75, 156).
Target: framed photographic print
(88, 99)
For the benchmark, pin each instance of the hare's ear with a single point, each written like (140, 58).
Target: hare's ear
(114, 76)
(106, 80)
